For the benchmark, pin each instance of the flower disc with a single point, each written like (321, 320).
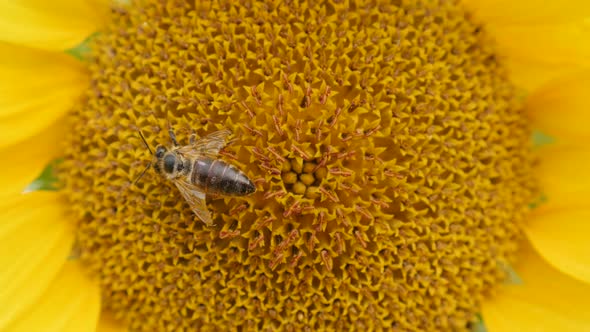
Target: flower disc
(390, 154)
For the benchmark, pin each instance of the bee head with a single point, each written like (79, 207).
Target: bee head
(160, 151)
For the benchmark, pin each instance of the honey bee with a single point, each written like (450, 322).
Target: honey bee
(196, 170)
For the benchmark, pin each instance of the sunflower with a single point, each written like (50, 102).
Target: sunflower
(412, 161)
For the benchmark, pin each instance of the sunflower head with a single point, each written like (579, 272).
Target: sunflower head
(390, 154)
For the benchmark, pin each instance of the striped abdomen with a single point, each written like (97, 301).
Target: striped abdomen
(217, 177)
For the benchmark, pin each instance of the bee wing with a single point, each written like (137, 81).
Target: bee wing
(209, 145)
(196, 200)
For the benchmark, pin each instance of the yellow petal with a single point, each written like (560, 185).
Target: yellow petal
(28, 158)
(36, 89)
(563, 44)
(561, 237)
(523, 12)
(530, 76)
(547, 300)
(55, 25)
(561, 108)
(537, 42)
(563, 176)
(35, 239)
(108, 323)
(70, 304)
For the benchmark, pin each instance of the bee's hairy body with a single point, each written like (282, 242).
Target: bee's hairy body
(196, 170)
(211, 176)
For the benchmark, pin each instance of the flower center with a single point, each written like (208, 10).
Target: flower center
(389, 151)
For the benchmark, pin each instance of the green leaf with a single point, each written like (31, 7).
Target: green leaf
(47, 180)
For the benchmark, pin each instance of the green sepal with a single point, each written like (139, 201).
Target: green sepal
(542, 199)
(541, 139)
(479, 325)
(512, 278)
(82, 50)
(47, 180)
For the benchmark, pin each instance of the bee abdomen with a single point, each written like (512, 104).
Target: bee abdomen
(219, 177)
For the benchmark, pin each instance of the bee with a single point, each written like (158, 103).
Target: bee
(196, 170)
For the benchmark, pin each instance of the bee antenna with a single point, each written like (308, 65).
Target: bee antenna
(145, 142)
(142, 173)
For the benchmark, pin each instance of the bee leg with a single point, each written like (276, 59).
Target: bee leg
(172, 136)
(192, 139)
